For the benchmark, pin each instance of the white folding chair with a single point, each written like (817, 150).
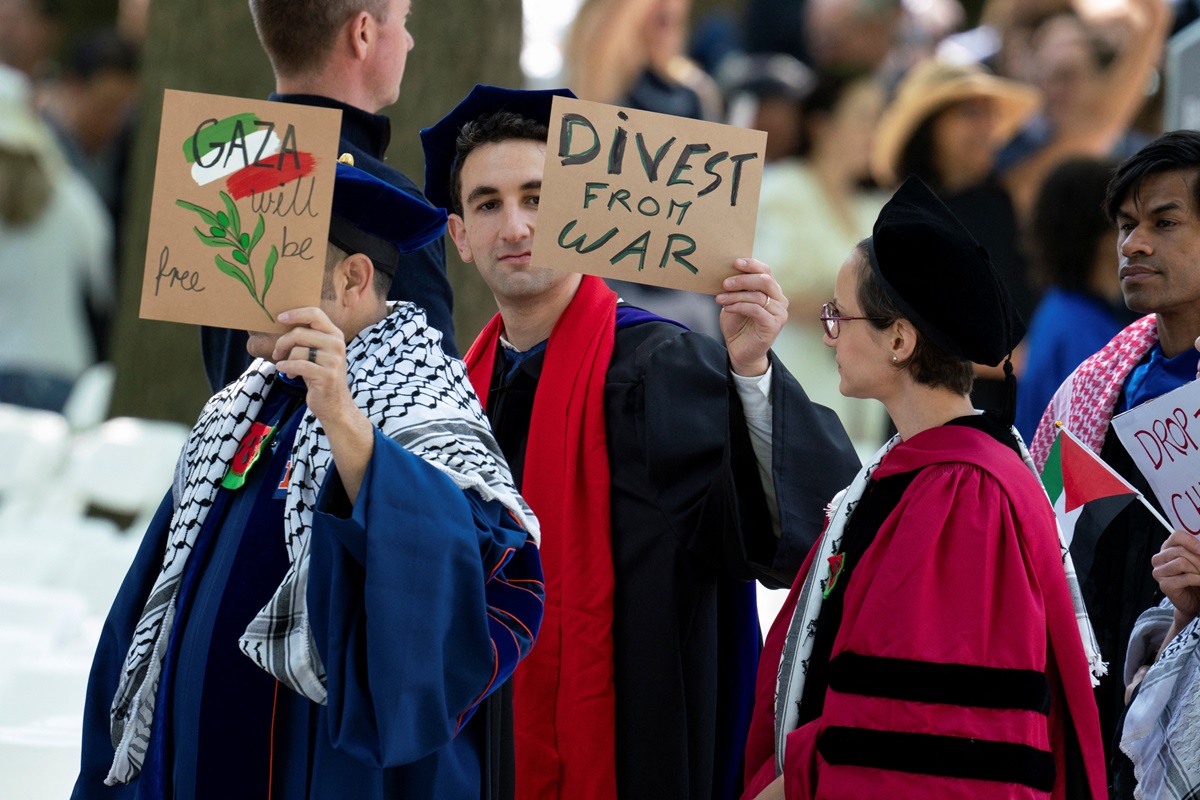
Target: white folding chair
(87, 404)
(34, 444)
(123, 466)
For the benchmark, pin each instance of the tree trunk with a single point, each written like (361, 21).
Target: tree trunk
(212, 47)
(199, 47)
(459, 43)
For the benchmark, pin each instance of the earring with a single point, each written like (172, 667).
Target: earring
(895, 360)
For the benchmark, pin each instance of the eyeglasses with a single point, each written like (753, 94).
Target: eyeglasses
(830, 319)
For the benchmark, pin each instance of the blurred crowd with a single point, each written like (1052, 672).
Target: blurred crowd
(1015, 111)
(66, 124)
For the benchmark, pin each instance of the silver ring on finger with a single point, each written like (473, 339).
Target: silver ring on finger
(312, 354)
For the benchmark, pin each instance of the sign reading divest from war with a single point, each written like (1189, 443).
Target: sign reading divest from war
(1163, 437)
(647, 197)
(240, 213)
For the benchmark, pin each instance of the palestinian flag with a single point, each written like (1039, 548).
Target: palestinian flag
(247, 155)
(1087, 495)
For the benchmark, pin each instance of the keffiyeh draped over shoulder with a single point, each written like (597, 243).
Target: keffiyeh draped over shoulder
(1162, 726)
(1085, 401)
(415, 395)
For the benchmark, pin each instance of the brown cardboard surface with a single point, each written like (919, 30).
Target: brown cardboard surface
(647, 197)
(240, 210)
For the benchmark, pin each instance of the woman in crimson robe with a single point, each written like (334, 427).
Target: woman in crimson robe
(932, 645)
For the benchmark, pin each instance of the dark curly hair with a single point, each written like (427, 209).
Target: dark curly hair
(501, 126)
(1176, 151)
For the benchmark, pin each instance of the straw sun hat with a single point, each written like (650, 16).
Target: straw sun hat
(930, 87)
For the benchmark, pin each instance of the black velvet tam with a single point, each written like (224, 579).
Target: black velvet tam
(941, 278)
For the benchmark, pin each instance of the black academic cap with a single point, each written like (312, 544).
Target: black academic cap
(378, 220)
(941, 278)
(439, 140)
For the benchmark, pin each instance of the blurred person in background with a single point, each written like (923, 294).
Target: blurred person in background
(92, 108)
(812, 211)
(765, 92)
(850, 35)
(631, 53)
(1093, 73)
(55, 257)
(945, 125)
(30, 33)
(1071, 246)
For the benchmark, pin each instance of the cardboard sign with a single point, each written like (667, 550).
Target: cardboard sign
(1163, 437)
(240, 213)
(647, 197)
(1181, 98)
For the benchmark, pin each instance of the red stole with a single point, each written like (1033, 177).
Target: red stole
(564, 699)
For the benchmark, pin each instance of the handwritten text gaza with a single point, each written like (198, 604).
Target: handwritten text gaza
(241, 203)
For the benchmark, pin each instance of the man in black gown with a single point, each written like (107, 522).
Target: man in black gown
(668, 472)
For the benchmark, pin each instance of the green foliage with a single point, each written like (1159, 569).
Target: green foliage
(225, 230)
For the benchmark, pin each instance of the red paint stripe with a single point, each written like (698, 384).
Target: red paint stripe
(262, 176)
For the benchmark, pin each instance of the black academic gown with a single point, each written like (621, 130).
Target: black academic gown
(690, 528)
(420, 277)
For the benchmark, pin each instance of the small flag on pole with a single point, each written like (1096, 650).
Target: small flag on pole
(1087, 495)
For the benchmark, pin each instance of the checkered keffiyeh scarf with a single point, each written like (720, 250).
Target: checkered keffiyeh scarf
(1085, 401)
(1163, 721)
(802, 630)
(415, 395)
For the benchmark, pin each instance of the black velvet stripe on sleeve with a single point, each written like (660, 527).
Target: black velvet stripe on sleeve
(948, 684)
(943, 756)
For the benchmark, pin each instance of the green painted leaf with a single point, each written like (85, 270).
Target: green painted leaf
(217, 231)
(258, 232)
(245, 240)
(235, 220)
(206, 215)
(240, 257)
(233, 271)
(222, 219)
(269, 272)
(213, 241)
(214, 136)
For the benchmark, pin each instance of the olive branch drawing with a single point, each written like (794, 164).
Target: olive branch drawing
(225, 230)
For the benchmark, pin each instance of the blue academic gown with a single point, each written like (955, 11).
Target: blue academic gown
(416, 623)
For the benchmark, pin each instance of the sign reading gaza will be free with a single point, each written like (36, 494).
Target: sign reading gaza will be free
(645, 197)
(240, 210)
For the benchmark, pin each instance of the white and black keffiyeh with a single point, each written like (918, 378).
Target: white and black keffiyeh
(802, 630)
(414, 394)
(1163, 722)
